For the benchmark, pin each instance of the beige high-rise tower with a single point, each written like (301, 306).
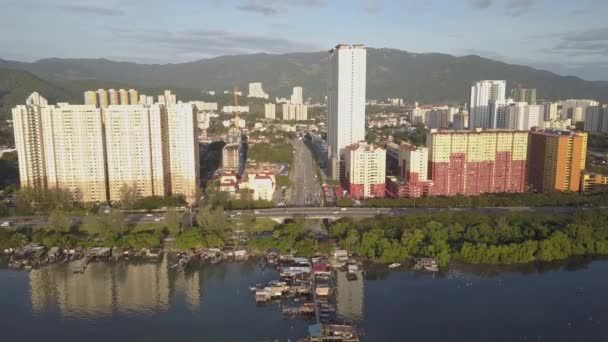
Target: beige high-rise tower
(74, 151)
(183, 150)
(133, 96)
(134, 149)
(27, 126)
(124, 96)
(102, 98)
(114, 97)
(90, 98)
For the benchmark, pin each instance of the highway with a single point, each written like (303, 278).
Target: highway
(315, 213)
(307, 192)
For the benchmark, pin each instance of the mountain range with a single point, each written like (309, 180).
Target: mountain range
(429, 78)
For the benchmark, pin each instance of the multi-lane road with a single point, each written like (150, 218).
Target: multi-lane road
(306, 189)
(317, 213)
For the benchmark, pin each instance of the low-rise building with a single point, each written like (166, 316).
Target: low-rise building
(591, 181)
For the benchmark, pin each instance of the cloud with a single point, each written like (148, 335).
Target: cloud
(93, 9)
(371, 6)
(580, 43)
(208, 43)
(512, 7)
(481, 4)
(590, 7)
(270, 7)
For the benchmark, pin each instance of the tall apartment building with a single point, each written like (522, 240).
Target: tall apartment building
(477, 162)
(256, 91)
(74, 151)
(153, 148)
(136, 151)
(294, 112)
(556, 160)
(133, 97)
(412, 181)
(346, 103)
(527, 95)
(365, 170)
(183, 150)
(460, 121)
(103, 100)
(90, 98)
(27, 126)
(522, 117)
(124, 96)
(482, 93)
(596, 119)
(205, 106)
(437, 118)
(114, 97)
(550, 111)
(297, 96)
(167, 98)
(576, 109)
(270, 111)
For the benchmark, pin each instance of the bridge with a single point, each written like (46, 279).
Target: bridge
(335, 213)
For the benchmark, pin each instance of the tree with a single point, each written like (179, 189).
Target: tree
(59, 221)
(173, 221)
(128, 196)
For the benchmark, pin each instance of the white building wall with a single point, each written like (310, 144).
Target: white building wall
(482, 93)
(346, 101)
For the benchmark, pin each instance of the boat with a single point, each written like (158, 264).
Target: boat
(394, 265)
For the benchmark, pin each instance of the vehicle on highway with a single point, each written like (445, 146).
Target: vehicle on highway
(149, 215)
(335, 213)
(156, 219)
(6, 224)
(256, 211)
(343, 209)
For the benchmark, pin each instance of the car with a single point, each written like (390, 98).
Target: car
(343, 209)
(238, 213)
(5, 224)
(256, 211)
(149, 215)
(156, 219)
(335, 213)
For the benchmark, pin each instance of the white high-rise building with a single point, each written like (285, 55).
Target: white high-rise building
(270, 110)
(167, 98)
(134, 149)
(521, 116)
(297, 96)
(183, 150)
(550, 111)
(74, 151)
(346, 103)
(255, 90)
(482, 93)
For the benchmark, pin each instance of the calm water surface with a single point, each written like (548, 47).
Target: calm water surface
(148, 302)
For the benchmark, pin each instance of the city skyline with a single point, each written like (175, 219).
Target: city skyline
(514, 31)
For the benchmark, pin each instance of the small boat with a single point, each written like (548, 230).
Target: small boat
(394, 265)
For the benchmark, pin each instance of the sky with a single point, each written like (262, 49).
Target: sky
(569, 37)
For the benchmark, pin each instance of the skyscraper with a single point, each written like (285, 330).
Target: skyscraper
(134, 147)
(297, 96)
(365, 170)
(525, 95)
(482, 93)
(183, 150)
(74, 151)
(346, 103)
(133, 96)
(27, 126)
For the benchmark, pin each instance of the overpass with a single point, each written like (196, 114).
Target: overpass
(335, 213)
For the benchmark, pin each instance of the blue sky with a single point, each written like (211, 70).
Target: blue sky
(566, 36)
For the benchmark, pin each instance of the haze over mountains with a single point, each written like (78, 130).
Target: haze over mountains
(391, 73)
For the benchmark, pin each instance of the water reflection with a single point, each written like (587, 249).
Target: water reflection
(349, 297)
(124, 287)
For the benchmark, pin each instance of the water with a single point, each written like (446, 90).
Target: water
(147, 301)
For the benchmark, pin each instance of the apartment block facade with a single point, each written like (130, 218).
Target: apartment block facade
(557, 159)
(365, 170)
(477, 162)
